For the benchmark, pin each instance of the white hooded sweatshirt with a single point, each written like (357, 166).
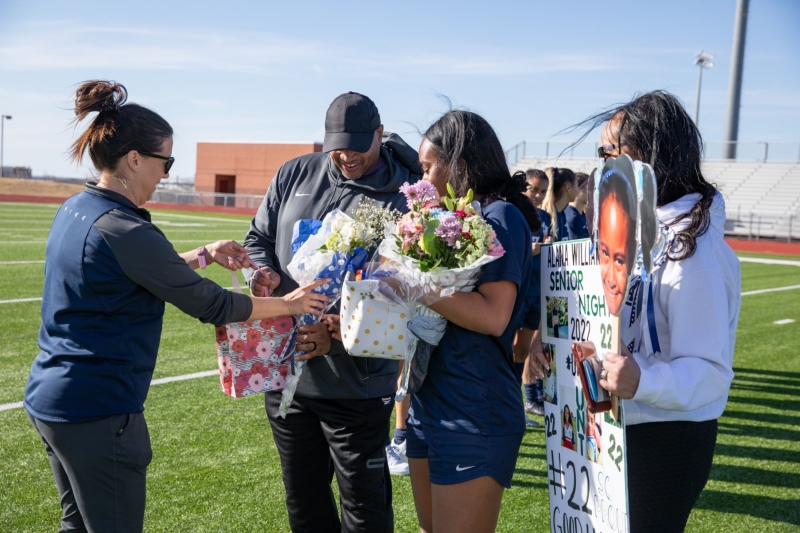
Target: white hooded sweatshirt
(696, 303)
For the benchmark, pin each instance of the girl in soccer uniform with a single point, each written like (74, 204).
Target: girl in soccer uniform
(468, 420)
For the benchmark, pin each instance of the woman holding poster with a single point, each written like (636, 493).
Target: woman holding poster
(468, 421)
(675, 394)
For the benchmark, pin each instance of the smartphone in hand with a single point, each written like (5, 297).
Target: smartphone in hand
(589, 366)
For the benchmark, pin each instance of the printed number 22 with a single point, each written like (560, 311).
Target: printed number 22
(605, 331)
(550, 425)
(615, 449)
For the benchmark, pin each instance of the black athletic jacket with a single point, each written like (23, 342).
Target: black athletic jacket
(311, 186)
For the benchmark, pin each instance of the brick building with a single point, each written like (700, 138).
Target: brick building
(243, 168)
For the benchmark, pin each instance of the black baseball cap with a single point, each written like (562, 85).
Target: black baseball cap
(350, 123)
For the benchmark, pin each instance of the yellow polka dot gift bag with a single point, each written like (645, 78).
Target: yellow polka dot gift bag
(372, 325)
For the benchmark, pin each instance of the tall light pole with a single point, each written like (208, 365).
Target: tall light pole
(704, 60)
(735, 81)
(3, 119)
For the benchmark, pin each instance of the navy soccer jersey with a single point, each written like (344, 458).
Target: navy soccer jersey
(531, 315)
(561, 222)
(471, 386)
(576, 223)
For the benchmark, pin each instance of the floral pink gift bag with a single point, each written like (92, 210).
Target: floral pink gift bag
(252, 356)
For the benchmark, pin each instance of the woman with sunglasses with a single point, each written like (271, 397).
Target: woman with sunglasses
(108, 273)
(675, 392)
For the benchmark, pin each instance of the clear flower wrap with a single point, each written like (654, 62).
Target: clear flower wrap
(308, 264)
(402, 282)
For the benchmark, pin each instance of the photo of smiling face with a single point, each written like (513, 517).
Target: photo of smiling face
(613, 253)
(616, 240)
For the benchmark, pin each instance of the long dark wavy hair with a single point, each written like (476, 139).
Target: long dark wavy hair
(468, 146)
(655, 128)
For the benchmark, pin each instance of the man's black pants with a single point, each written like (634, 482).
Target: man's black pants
(347, 437)
(100, 469)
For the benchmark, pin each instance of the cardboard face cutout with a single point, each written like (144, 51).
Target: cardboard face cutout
(616, 223)
(648, 234)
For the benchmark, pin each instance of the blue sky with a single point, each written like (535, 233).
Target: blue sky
(267, 71)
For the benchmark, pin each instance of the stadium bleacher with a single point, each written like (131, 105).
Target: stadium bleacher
(762, 199)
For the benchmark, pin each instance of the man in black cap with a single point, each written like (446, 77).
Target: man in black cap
(339, 419)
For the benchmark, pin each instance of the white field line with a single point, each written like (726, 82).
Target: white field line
(775, 289)
(204, 218)
(9, 406)
(29, 204)
(22, 262)
(159, 381)
(765, 261)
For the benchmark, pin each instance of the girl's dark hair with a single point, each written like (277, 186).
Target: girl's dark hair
(118, 127)
(535, 173)
(468, 146)
(557, 178)
(656, 129)
(615, 186)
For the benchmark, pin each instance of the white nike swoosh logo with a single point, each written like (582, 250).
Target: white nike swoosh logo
(459, 469)
(302, 194)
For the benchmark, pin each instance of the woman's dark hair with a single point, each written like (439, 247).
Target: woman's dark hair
(118, 127)
(468, 146)
(581, 178)
(615, 186)
(557, 178)
(656, 129)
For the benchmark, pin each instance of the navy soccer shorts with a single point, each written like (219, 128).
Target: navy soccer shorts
(455, 457)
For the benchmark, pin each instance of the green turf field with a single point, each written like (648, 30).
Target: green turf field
(216, 469)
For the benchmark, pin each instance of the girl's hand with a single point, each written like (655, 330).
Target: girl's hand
(334, 326)
(230, 255)
(303, 300)
(622, 374)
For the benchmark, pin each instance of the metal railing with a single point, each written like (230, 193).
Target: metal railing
(745, 151)
(756, 226)
(251, 201)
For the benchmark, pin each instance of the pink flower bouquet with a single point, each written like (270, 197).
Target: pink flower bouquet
(437, 248)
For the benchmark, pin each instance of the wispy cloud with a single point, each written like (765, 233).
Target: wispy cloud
(67, 45)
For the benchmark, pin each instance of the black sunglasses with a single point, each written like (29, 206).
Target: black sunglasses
(169, 160)
(602, 151)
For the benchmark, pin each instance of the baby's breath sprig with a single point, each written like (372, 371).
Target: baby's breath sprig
(374, 217)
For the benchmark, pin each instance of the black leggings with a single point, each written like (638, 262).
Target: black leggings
(668, 466)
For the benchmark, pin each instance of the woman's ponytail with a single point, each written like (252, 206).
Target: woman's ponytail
(557, 178)
(118, 127)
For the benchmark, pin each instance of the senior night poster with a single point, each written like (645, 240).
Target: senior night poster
(585, 450)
